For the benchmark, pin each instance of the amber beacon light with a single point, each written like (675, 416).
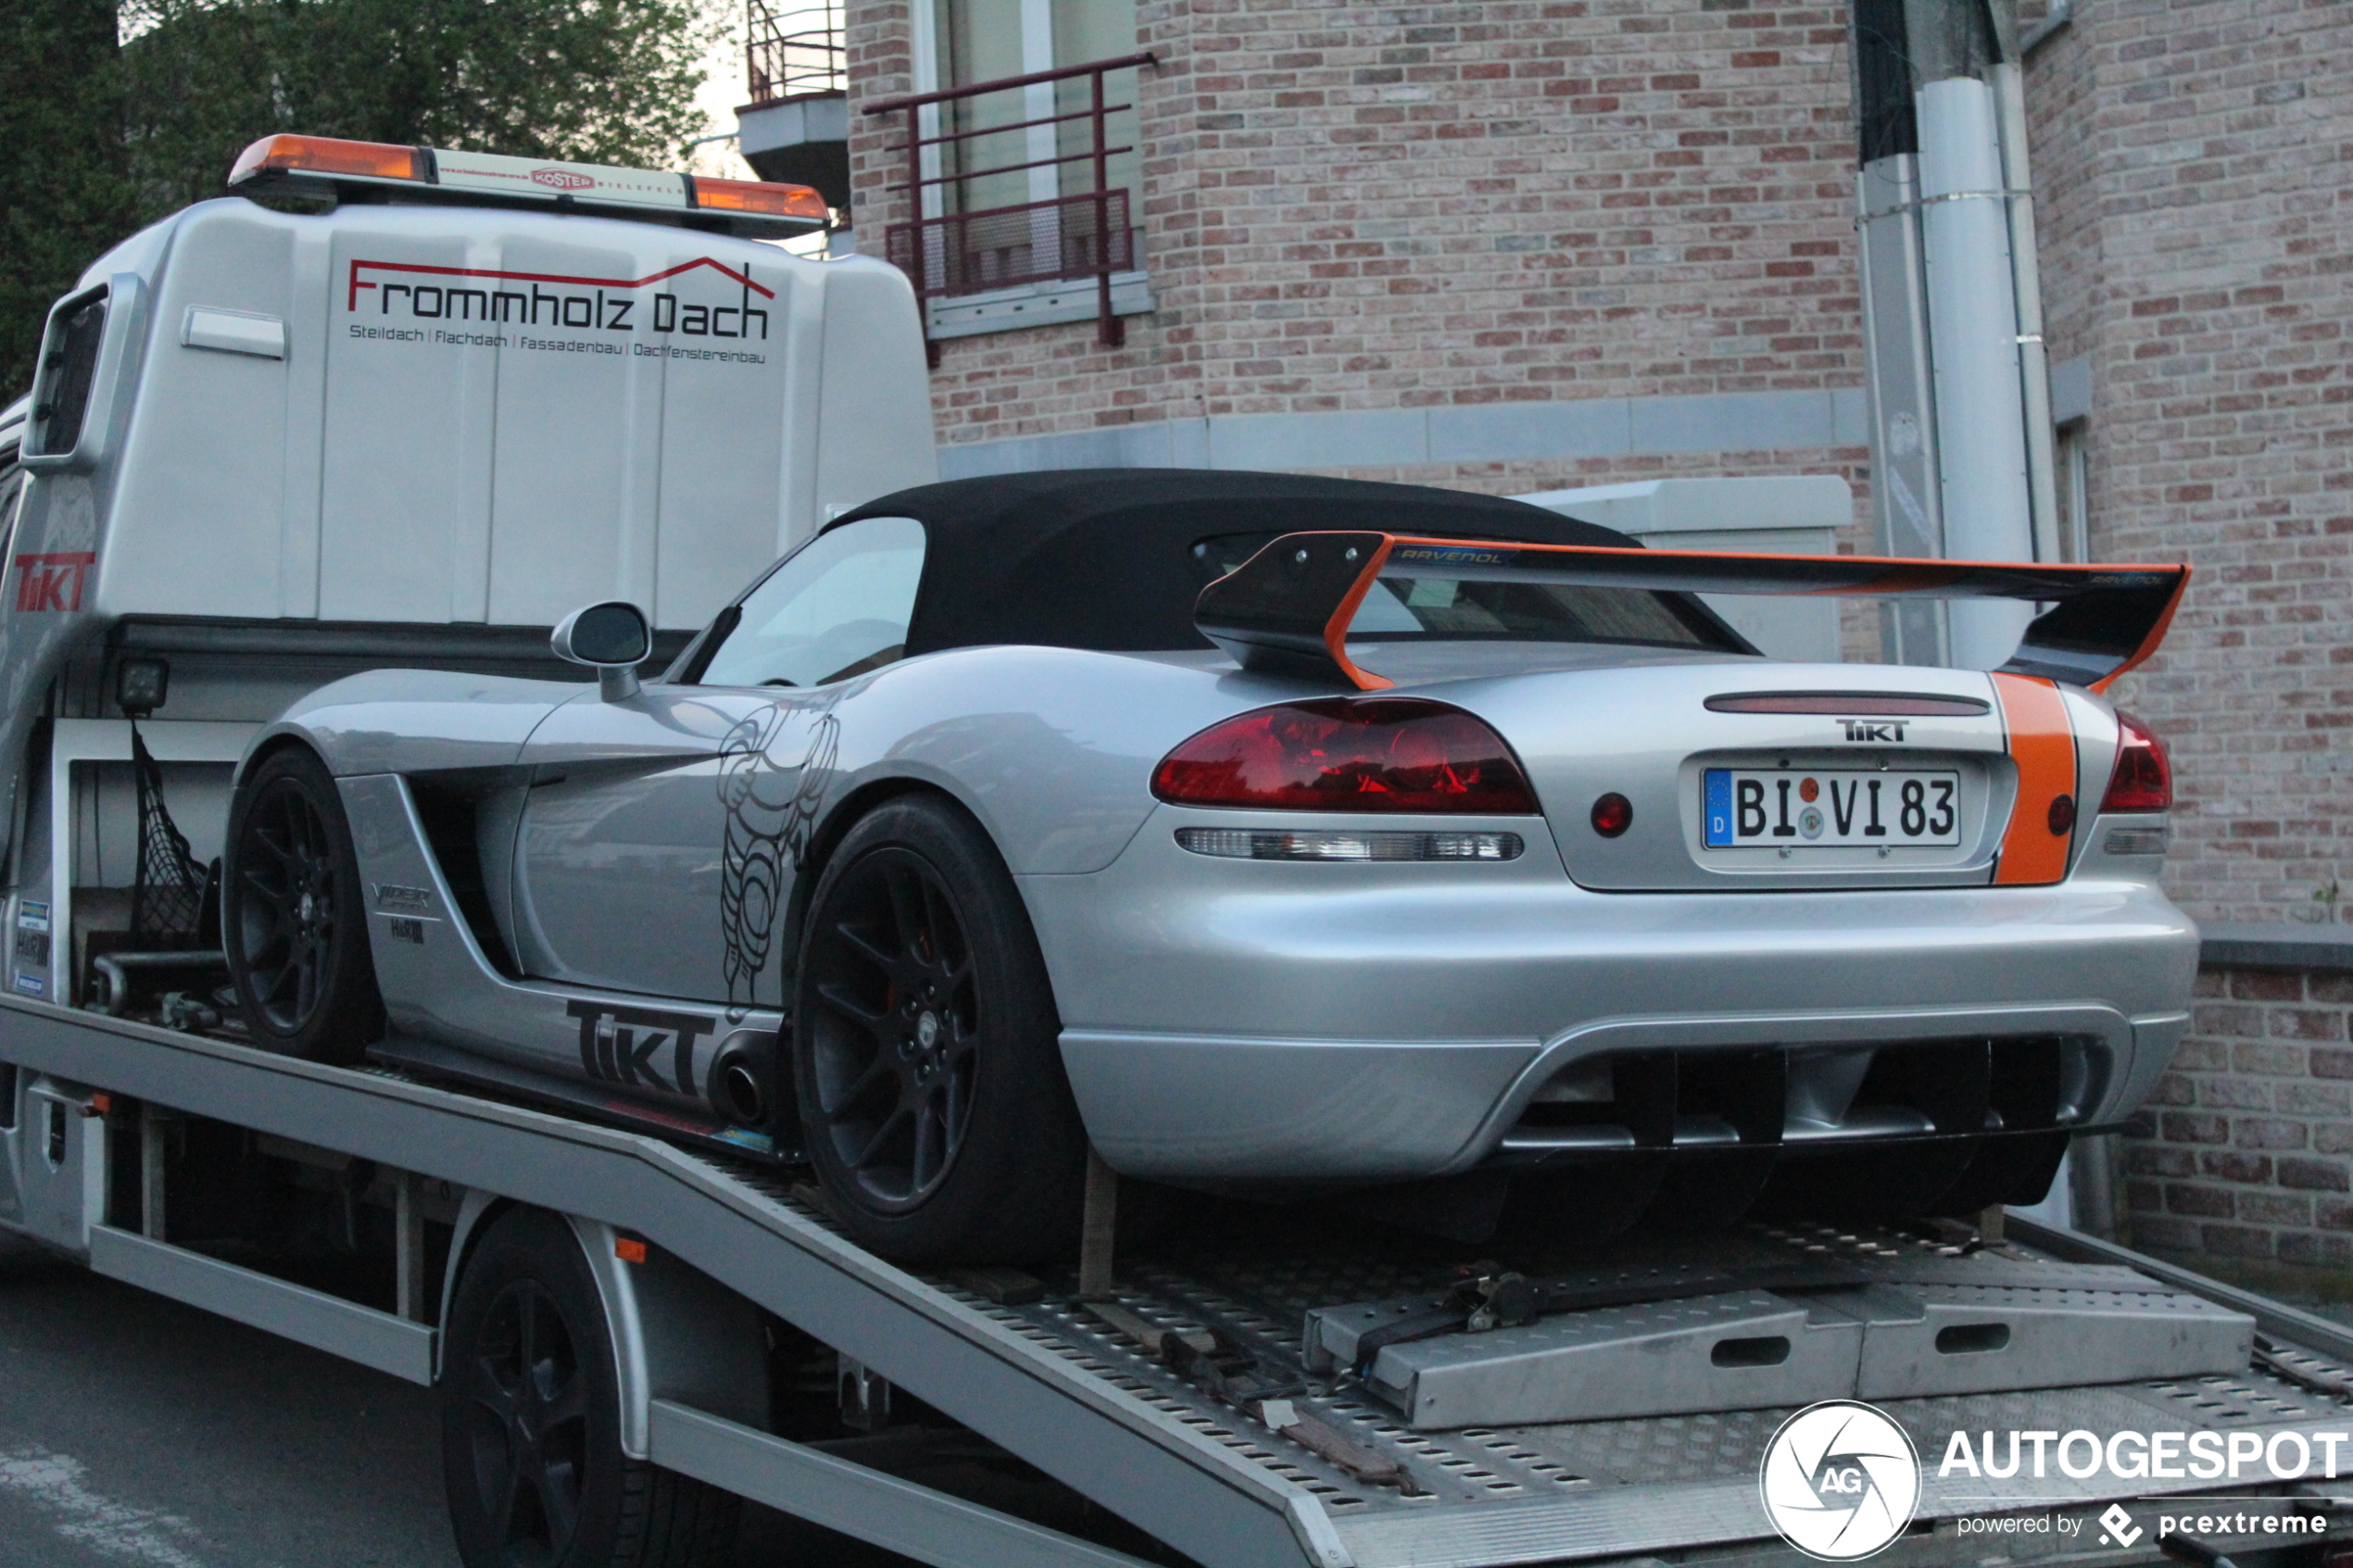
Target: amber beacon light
(331, 156)
(761, 196)
(329, 166)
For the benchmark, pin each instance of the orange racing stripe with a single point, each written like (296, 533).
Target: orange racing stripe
(2042, 742)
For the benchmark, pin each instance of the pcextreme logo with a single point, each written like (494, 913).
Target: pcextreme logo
(1840, 1480)
(473, 297)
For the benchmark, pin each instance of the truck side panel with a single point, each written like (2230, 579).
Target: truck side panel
(425, 414)
(205, 458)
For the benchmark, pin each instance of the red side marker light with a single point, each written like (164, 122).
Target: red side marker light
(2142, 780)
(2061, 816)
(629, 1249)
(1613, 814)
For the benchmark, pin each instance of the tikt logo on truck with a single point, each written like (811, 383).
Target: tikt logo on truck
(410, 290)
(54, 581)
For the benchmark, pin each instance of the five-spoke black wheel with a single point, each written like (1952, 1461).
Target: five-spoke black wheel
(925, 1047)
(893, 1045)
(531, 1422)
(527, 1447)
(292, 917)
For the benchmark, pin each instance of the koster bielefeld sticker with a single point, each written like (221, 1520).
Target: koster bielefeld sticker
(1840, 1480)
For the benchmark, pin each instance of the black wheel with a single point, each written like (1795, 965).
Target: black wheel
(926, 1051)
(531, 1422)
(293, 917)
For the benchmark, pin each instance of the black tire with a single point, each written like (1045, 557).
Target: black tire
(926, 1049)
(293, 917)
(531, 1422)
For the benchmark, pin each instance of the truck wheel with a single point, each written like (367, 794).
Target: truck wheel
(926, 1049)
(293, 917)
(531, 1422)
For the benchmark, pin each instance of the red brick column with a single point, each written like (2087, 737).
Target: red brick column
(2252, 1152)
(881, 60)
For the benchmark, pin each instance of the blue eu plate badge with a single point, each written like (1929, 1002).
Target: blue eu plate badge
(1716, 807)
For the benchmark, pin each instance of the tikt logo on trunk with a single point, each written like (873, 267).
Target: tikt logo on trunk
(404, 291)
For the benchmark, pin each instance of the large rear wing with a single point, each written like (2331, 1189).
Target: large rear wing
(1287, 610)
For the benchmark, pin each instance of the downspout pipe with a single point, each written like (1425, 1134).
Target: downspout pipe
(1974, 350)
(2007, 81)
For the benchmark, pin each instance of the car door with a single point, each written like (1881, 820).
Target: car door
(658, 845)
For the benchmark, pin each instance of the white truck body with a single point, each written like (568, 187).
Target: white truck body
(300, 444)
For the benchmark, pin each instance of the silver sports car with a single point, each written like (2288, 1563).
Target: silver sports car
(1273, 834)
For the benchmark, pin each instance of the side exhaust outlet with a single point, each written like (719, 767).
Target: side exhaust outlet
(740, 1075)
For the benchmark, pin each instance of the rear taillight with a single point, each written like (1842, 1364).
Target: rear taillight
(2142, 780)
(1382, 754)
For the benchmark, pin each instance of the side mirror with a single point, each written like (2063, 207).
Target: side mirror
(610, 638)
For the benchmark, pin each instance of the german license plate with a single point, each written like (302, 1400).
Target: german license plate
(1828, 808)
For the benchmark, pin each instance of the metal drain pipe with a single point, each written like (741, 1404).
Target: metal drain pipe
(1961, 445)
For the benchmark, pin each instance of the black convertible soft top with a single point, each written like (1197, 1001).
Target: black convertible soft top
(1103, 558)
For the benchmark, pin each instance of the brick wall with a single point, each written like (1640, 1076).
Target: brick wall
(2195, 203)
(2252, 1154)
(1357, 207)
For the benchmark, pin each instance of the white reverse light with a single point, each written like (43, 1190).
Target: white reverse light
(1255, 844)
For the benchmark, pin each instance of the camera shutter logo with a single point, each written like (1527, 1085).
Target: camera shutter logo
(1840, 1480)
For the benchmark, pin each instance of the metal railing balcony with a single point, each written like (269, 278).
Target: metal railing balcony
(950, 246)
(793, 52)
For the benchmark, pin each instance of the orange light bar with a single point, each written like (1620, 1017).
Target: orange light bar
(761, 197)
(327, 155)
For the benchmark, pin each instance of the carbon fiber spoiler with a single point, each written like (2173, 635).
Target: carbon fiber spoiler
(1287, 610)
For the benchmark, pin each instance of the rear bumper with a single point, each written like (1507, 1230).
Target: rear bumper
(1202, 1108)
(1259, 1020)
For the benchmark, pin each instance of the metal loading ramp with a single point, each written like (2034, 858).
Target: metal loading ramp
(1774, 1317)
(1530, 1491)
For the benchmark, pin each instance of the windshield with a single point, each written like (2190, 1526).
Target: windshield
(837, 606)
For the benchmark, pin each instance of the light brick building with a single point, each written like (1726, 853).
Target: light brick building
(1503, 246)
(2196, 204)
(1513, 245)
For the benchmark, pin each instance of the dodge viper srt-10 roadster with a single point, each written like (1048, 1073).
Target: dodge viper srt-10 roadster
(1275, 837)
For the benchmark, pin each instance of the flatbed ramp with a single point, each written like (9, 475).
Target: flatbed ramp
(1189, 1405)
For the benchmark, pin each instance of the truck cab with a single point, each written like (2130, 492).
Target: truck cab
(415, 423)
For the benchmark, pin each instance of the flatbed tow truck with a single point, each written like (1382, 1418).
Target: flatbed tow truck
(1180, 1404)
(229, 493)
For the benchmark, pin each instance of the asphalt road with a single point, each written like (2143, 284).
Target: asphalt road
(135, 1431)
